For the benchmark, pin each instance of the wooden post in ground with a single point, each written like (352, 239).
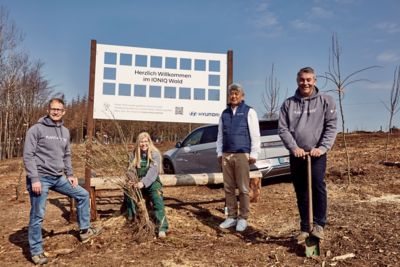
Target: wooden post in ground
(90, 124)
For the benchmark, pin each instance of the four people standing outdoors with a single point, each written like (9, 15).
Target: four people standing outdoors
(307, 124)
(238, 145)
(47, 159)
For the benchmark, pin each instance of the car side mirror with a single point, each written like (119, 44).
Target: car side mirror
(178, 145)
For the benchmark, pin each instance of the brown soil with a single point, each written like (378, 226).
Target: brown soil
(363, 219)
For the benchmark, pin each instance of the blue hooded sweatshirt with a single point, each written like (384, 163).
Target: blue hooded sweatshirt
(47, 150)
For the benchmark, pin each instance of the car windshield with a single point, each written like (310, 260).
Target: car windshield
(268, 128)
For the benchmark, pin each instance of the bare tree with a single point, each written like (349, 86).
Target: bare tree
(10, 37)
(394, 106)
(270, 97)
(341, 84)
(22, 88)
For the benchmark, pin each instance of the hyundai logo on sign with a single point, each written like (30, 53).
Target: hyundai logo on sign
(204, 114)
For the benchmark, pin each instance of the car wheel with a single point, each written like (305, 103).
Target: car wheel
(168, 168)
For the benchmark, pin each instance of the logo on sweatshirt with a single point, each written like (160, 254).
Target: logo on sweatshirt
(313, 110)
(52, 137)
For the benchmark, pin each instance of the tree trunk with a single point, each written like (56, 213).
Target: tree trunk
(344, 140)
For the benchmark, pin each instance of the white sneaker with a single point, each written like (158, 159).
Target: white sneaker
(162, 235)
(228, 223)
(241, 225)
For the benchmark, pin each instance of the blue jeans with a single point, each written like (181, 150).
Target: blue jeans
(61, 185)
(298, 168)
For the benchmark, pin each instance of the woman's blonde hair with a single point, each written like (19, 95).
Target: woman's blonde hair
(138, 156)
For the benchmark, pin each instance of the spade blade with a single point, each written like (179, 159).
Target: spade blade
(312, 246)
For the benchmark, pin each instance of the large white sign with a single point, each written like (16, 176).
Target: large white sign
(133, 83)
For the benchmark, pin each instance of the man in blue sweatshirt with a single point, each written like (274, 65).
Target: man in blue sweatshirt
(47, 159)
(307, 124)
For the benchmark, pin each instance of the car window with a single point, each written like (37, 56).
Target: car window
(194, 138)
(268, 127)
(210, 134)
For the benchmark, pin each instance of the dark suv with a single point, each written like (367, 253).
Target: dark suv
(197, 152)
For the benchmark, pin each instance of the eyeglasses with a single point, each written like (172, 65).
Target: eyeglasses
(57, 109)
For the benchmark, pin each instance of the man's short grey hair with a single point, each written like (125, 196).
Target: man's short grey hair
(306, 70)
(236, 87)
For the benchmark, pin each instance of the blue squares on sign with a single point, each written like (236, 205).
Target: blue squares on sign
(139, 90)
(125, 59)
(185, 64)
(155, 91)
(152, 87)
(184, 93)
(141, 61)
(213, 80)
(124, 89)
(200, 64)
(110, 58)
(214, 65)
(155, 62)
(213, 95)
(108, 88)
(109, 74)
(199, 94)
(169, 92)
(170, 62)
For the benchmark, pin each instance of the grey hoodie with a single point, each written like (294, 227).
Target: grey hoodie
(308, 122)
(47, 150)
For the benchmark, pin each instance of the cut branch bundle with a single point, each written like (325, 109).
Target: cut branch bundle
(112, 160)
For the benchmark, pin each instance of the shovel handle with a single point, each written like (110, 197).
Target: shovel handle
(309, 191)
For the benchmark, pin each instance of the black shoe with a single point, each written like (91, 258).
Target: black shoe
(40, 259)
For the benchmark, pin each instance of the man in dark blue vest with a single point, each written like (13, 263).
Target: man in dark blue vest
(238, 145)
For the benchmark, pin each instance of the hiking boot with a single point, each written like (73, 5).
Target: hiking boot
(241, 225)
(301, 238)
(228, 223)
(162, 235)
(318, 231)
(40, 259)
(85, 236)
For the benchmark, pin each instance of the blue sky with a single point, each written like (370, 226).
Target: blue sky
(288, 34)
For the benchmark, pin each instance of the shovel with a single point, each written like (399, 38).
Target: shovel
(312, 242)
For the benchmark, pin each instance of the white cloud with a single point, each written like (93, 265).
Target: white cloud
(265, 21)
(321, 12)
(265, 18)
(346, 2)
(304, 25)
(376, 86)
(388, 56)
(262, 7)
(389, 27)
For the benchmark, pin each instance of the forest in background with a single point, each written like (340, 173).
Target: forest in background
(24, 96)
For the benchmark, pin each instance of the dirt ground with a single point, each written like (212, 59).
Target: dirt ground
(363, 221)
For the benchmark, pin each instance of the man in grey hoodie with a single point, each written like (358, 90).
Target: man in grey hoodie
(47, 159)
(307, 124)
